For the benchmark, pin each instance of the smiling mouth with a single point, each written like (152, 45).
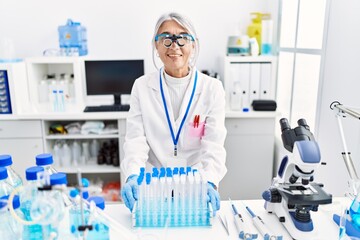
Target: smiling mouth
(174, 55)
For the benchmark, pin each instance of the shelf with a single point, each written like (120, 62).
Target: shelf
(80, 136)
(94, 168)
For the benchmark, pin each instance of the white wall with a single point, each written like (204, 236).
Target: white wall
(341, 82)
(123, 29)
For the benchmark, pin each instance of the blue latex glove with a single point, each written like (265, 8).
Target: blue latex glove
(129, 192)
(213, 197)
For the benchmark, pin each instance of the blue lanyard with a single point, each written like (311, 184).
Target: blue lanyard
(175, 140)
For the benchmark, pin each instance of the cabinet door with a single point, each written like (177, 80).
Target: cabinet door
(249, 159)
(23, 152)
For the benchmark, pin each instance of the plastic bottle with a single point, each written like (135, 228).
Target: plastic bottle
(45, 160)
(254, 47)
(254, 29)
(9, 227)
(94, 148)
(49, 206)
(72, 38)
(100, 226)
(61, 101)
(75, 216)
(75, 213)
(66, 155)
(35, 231)
(43, 91)
(76, 153)
(266, 34)
(5, 188)
(85, 156)
(13, 178)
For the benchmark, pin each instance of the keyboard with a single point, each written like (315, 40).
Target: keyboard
(107, 108)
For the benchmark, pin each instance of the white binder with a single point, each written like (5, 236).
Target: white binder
(240, 77)
(265, 81)
(254, 93)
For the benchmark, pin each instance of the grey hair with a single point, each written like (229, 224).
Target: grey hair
(185, 23)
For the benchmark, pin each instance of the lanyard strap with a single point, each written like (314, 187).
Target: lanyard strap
(176, 139)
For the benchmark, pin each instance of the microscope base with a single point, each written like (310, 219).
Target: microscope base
(286, 218)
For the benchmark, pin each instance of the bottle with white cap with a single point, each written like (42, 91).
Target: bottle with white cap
(45, 160)
(13, 178)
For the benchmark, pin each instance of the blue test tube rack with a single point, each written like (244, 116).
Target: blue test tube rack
(171, 197)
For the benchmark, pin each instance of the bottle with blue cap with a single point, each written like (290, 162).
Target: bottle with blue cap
(100, 226)
(35, 231)
(49, 206)
(46, 160)
(13, 178)
(75, 209)
(77, 215)
(9, 227)
(5, 187)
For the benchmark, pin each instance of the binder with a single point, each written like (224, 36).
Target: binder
(265, 81)
(240, 77)
(254, 93)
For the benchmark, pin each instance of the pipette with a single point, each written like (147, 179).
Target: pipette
(260, 226)
(240, 225)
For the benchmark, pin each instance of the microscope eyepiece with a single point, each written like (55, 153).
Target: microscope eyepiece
(302, 122)
(284, 124)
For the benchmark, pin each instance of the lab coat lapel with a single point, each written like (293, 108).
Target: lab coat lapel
(187, 96)
(155, 84)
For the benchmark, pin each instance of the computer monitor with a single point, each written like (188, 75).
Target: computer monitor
(112, 77)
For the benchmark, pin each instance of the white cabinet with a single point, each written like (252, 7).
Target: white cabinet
(103, 164)
(250, 156)
(55, 84)
(247, 79)
(22, 139)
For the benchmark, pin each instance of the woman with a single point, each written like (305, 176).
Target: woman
(177, 114)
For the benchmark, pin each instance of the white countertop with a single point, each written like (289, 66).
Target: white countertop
(116, 115)
(324, 227)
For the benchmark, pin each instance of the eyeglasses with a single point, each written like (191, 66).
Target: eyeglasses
(167, 39)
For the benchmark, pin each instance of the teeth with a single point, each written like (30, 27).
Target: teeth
(174, 55)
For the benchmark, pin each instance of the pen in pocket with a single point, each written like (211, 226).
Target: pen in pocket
(196, 121)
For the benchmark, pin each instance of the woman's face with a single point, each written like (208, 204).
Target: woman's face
(175, 58)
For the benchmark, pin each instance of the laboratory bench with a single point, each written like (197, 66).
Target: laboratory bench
(324, 227)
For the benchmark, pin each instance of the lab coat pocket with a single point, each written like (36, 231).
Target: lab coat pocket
(193, 135)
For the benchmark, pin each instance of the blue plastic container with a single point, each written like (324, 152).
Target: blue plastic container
(72, 37)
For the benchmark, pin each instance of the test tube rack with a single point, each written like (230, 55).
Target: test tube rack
(172, 198)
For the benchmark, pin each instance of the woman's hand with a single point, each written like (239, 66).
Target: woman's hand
(129, 192)
(213, 197)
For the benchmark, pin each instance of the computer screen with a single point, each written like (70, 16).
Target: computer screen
(104, 77)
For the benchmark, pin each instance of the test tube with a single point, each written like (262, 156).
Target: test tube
(154, 194)
(203, 200)
(197, 189)
(140, 199)
(162, 197)
(182, 196)
(176, 179)
(190, 208)
(148, 198)
(169, 191)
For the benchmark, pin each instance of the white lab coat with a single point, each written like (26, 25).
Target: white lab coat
(148, 137)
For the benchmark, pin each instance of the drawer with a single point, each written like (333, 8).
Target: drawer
(20, 129)
(250, 126)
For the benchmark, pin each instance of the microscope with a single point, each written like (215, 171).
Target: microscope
(294, 193)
